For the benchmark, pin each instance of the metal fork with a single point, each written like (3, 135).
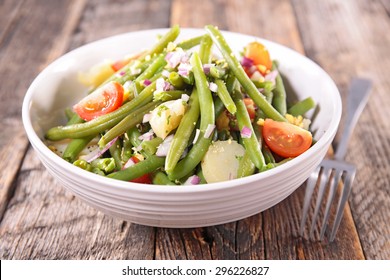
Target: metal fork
(331, 171)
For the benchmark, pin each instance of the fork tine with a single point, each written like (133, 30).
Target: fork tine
(349, 177)
(310, 185)
(323, 180)
(332, 191)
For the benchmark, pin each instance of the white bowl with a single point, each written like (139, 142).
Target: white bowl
(56, 88)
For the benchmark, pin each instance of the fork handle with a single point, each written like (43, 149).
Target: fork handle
(357, 99)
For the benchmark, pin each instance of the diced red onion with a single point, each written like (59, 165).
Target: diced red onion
(184, 69)
(185, 97)
(164, 147)
(162, 85)
(165, 73)
(271, 76)
(192, 180)
(120, 74)
(99, 152)
(246, 62)
(129, 163)
(146, 118)
(146, 136)
(246, 132)
(213, 87)
(174, 58)
(209, 130)
(197, 133)
(206, 68)
(147, 82)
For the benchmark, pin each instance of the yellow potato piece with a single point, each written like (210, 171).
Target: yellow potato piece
(167, 117)
(222, 160)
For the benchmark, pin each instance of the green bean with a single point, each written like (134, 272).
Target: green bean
(279, 100)
(217, 72)
(75, 146)
(268, 156)
(251, 143)
(106, 165)
(190, 43)
(241, 76)
(225, 97)
(159, 47)
(127, 122)
(98, 171)
(201, 176)
(189, 80)
(83, 164)
(127, 146)
(149, 165)
(183, 132)
(176, 80)
(301, 107)
(159, 178)
(205, 49)
(103, 122)
(269, 96)
(168, 95)
(151, 146)
(75, 119)
(134, 134)
(157, 64)
(128, 72)
(69, 113)
(246, 166)
(116, 153)
(207, 118)
(218, 107)
(170, 36)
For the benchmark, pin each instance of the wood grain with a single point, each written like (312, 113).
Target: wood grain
(41, 220)
(16, 38)
(336, 51)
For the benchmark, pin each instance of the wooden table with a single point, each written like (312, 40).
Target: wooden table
(41, 220)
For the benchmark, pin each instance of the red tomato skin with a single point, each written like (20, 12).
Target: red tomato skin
(103, 100)
(285, 139)
(144, 179)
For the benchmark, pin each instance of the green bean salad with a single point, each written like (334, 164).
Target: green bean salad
(180, 113)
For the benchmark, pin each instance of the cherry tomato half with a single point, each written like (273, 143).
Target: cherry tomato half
(103, 100)
(259, 54)
(285, 139)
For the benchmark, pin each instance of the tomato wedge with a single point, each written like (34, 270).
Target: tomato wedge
(259, 54)
(103, 100)
(144, 179)
(285, 139)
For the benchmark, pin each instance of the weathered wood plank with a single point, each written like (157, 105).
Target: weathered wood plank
(349, 29)
(21, 57)
(43, 221)
(272, 234)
